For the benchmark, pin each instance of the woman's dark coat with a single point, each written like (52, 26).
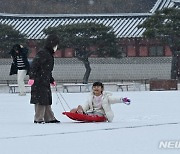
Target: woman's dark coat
(24, 53)
(41, 72)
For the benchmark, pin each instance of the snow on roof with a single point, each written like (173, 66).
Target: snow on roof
(160, 4)
(123, 24)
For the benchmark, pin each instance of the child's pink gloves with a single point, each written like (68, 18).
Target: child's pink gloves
(126, 101)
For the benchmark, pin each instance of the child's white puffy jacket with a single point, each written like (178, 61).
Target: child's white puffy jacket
(107, 100)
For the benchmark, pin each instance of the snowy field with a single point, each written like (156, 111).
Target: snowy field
(152, 118)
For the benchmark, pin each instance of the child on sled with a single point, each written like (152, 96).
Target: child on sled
(99, 103)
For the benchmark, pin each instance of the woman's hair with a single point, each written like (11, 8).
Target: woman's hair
(98, 84)
(17, 47)
(51, 41)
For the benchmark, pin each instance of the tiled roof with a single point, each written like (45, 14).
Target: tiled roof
(160, 4)
(124, 25)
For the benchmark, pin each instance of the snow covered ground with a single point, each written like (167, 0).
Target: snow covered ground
(152, 118)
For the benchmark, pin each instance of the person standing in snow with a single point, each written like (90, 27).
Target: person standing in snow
(40, 79)
(19, 66)
(99, 103)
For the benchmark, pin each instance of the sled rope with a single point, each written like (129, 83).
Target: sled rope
(60, 102)
(64, 100)
(60, 95)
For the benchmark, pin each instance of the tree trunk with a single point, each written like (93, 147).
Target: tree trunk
(178, 65)
(88, 70)
(174, 65)
(83, 55)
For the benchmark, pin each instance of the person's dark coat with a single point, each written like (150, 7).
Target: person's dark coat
(24, 53)
(41, 72)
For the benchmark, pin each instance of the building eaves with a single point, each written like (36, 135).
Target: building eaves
(72, 15)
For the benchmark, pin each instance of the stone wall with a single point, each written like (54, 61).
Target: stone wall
(103, 69)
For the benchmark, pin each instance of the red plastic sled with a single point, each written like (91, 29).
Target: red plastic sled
(84, 117)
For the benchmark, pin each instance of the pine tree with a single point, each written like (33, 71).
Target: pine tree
(165, 26)
(87, 39)
(9, 37)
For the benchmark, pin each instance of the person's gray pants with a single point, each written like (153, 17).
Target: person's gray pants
(43, 113)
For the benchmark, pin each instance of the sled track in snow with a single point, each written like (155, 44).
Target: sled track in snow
(93, 130)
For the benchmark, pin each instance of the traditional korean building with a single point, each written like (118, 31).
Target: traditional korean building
(123, 24)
